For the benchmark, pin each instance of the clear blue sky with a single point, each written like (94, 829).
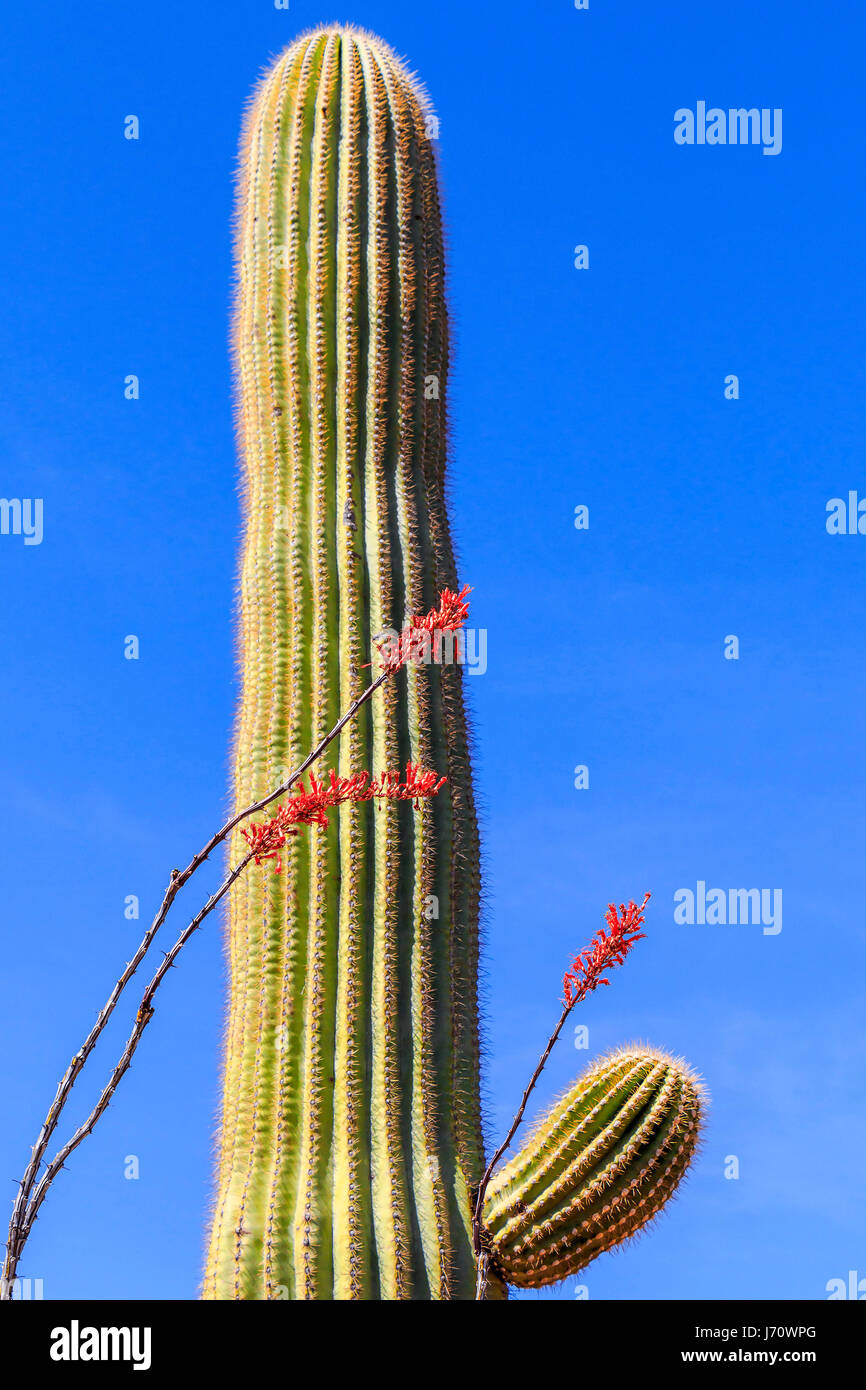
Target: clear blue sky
(602, 387)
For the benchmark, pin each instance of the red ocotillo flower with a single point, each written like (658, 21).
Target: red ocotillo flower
(304, 807)
(267, 839)
(606, 950)
(415, 640)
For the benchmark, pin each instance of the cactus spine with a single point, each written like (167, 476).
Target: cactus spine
(599, 1166)
(350, 1136)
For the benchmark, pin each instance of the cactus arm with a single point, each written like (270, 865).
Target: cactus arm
(597, 1168)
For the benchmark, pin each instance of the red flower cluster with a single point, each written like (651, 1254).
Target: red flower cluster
(415, 640)
(303, 807)
(604, 951)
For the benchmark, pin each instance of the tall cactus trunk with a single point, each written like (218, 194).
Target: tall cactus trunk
(350, 1140)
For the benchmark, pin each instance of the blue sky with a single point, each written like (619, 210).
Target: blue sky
(602, 387)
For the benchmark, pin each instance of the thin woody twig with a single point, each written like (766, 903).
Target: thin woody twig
(448, 616)
(142, 1018)
(20, 1220)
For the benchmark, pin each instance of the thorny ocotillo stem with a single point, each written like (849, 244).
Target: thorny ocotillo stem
(450, 615)
(177, 880)
(306, 808)
(145, 1012)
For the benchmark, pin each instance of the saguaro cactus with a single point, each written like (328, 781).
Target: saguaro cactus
(350, 1136)
(350, 1147)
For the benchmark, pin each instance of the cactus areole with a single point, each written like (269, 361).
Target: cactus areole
(350, 1147)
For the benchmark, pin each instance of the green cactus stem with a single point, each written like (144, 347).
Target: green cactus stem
(350, 1138)
(597, 1168)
